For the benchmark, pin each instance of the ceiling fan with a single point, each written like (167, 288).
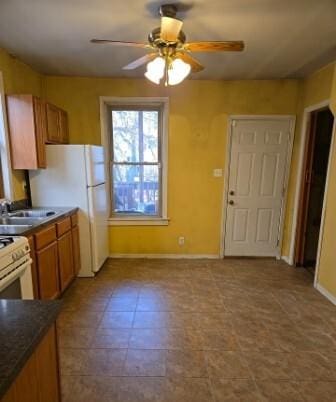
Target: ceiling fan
(169, 56)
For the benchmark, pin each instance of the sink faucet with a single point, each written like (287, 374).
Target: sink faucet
(5, 204)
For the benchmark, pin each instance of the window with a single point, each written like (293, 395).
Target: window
(137, 161)
(6, 183)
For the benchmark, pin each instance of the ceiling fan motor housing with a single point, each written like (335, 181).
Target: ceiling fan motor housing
(168, 10)
(154, 38)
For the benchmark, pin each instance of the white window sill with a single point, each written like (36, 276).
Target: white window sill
(130, 221)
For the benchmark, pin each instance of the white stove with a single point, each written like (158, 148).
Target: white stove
(15, 268)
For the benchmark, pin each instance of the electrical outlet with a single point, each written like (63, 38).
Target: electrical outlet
(181, 241)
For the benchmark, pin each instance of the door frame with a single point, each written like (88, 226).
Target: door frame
(305, 126)
(304, 136)
(291, 119)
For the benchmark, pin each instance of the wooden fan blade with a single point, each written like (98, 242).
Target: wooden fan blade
(215, 46)
(119, 43)
(170, 28)
(139, 62)
(195, 65)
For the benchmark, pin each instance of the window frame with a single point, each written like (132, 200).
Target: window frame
(107, 104)
(5, 155)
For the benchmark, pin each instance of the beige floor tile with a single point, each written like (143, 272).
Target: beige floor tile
(188, 390)
(142, 362)
(216, 339)
(117, 319)
(108, 362)
(234, 390)
(151, 319)
(226, 364)
(114, 338)
(316, 391)
(269, 365)
(186, 363)
(280, 391)
(75, 337)
(122, 304)
(79, 318)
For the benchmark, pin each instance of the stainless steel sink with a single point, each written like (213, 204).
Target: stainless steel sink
(14, 229)
(33, 213)
(10, 221)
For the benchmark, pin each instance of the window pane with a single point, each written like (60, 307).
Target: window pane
(136, 189)
(125, 125)
(150, 138)
(135, 135)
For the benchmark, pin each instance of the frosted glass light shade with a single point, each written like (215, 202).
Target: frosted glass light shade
(155, 70)
(178, 71)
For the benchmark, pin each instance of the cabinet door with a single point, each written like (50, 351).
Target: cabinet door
(26, 385)
(47, 268)
(40, 131)
(76, 249)
(33, 267)
(53, 129)
(65, 260)
(64, 127)
(9, 395)
(47, 367)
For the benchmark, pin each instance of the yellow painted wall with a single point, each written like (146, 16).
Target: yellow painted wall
(18, 78)
(197, 140)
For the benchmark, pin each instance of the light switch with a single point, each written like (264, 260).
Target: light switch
(218, 172)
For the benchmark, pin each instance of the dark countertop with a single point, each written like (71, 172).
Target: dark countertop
(23, 323)
(26, 231)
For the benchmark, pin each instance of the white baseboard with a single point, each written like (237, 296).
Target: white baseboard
(286, 259)
(163, 256)
(326, 293)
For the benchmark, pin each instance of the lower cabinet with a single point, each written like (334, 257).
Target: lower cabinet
(56, 257)
(38, 380)
(76, 249)
(47, 268)
(65, 260)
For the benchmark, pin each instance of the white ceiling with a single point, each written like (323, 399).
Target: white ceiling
(284, 38)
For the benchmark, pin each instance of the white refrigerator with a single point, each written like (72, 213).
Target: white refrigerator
(76, 176)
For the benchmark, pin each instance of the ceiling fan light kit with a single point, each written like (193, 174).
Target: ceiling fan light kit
(173, 70)
(170, 54)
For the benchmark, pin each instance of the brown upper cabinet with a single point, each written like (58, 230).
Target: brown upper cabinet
(57, 125)
(32, 123)
(27, 125)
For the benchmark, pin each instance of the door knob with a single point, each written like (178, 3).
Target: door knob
(231, 192)
(231, 202)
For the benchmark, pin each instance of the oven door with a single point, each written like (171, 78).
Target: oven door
(18, 284)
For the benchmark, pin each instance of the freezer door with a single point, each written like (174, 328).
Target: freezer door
(98, 207)
(95, 167)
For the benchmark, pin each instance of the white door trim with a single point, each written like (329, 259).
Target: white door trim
(319, 248)
(5, 154)
(291, 119)
(305, 120)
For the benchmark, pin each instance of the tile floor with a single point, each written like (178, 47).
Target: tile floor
(197, 331)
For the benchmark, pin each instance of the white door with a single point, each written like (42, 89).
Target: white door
(98, 225)
(258, 161)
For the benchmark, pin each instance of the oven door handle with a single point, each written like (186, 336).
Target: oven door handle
(11, 277)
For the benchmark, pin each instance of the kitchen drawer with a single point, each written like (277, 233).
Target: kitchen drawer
(74, 220)
(45, 237)
(63, 226)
